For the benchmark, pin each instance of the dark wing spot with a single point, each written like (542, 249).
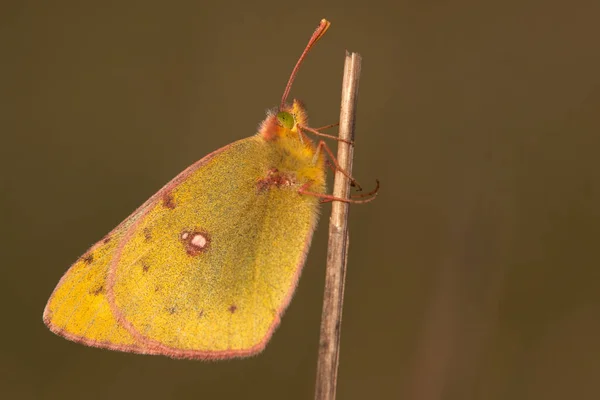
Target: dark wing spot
(88, 258)
(171, 310)
(97, 291)
(147, 234)
(201, 314)
(232, 308)
(168, 201)
(106, 240)
(145, 266)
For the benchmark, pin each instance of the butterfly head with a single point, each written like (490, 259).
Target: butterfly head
(284, 121)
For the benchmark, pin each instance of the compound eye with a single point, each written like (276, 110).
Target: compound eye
(285, 119)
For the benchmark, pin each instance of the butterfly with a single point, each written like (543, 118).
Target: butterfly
(206, 267)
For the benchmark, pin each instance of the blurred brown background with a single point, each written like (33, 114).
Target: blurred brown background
(475, 274)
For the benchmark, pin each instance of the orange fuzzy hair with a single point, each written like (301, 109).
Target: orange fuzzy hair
(270, 128)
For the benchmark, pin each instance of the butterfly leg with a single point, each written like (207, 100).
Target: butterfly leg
(322, 128)
(360, 195)
(323, 145)
(318, 133)
(326, 198)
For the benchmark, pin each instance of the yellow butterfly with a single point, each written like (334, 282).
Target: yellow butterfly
(206, 267)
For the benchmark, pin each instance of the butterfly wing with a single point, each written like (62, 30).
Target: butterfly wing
(203, 270)
(78, 308)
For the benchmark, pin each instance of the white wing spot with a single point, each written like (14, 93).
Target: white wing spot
(198, 240)
(195, 242)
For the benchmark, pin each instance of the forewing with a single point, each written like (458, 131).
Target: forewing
(207, 269)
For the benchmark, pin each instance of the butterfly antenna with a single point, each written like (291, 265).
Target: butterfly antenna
(319, 32)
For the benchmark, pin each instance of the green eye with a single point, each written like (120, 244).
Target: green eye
(285, 119)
